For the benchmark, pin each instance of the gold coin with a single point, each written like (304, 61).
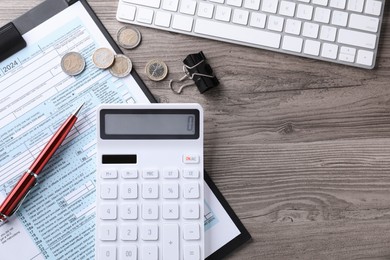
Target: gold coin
(103, 58)
(122, 66)
(72, 63)
(156, 70)
(129, 37)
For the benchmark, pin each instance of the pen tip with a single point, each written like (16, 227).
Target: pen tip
(78, 110)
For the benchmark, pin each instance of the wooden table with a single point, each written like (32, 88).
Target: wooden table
(300, 148)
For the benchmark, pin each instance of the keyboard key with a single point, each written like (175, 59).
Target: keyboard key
(188, 7)
(252, 4)
(145, 15)
(291, 43)
(170, 5)
(365, 57)
(107, 253)
(129, 173)
(328, 33)
(109, 174)
(338, 3)
(149, 232)
(258, 20)
(192, 158)
(128, 232)
(150, 191)
(275, 23)
(240, 17)
(235, 32)
(305, 11)
(150, 252)
(310, 30)
(223, 13)
(108, 211)
(128, 211)
(171, 211)
(171, 242)
(191, 232)
(171, 173)
(108, 191)
(320, 2)
(163, 19)
(269, 6)
(149, 3)
(129, 190)
(354, 38)
(312, 47)
(191, 211)
(191, 252)
(171, 191)
(205, 10)
(191, 173)
(150, 174)
(363, 22)
(126, 12)
(340, 18)
(329, 51)
(373, 7)
(191, 191)
(237, 3)
(287, 8)
(182, 23)
(293, 26)
(128, 252)
(107, 232)
(149, 211)
(347, 54)
(355, 5)
(322, 15)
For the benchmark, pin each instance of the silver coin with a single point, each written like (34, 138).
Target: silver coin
(103, 58)
(156, 70)
(122, 66)
(129, 37)
(73, 63)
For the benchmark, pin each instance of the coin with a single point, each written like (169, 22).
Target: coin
(129, 37)
(122, 66)
(103, 58)
(72, 63)
(156, 70)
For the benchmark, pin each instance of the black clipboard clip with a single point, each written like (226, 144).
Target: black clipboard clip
(11, 41)
(196, 68)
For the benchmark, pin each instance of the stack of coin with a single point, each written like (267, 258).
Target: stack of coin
(119, 65)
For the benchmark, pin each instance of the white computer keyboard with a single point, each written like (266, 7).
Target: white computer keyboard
(150, 195)
(341, 31)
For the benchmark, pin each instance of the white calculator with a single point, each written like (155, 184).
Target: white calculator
(150, 198)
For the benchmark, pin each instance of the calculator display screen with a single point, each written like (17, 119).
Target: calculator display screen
(150, 124)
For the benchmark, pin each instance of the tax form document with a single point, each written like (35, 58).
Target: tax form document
(57, 219)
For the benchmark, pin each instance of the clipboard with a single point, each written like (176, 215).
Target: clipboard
(11, 42)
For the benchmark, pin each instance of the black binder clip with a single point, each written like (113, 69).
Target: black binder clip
(196, 68)
(11, 41)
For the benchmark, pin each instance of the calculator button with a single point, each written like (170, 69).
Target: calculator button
(191, 191)
(171, 191)
(191, 252)
(108, 211)
(128, 252)
(107, 253)
(128, 211)
(191, 174)
(171, 173)
(129, 173)
(107, 232)
(171, 211)
(129, 190)
(150, 253)
(191, 232)
(191, 211)
(109, 174)
(150, 191)
(171, 241)
(190, 159)
(150, 174)
(108, 191)
(149, 232)
(128, 232)
(149, 211)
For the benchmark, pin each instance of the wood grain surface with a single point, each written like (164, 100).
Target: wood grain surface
(300, 148)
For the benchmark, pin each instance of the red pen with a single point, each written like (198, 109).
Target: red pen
(29, 179)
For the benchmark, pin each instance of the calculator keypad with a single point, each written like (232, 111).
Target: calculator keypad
(151, 214)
